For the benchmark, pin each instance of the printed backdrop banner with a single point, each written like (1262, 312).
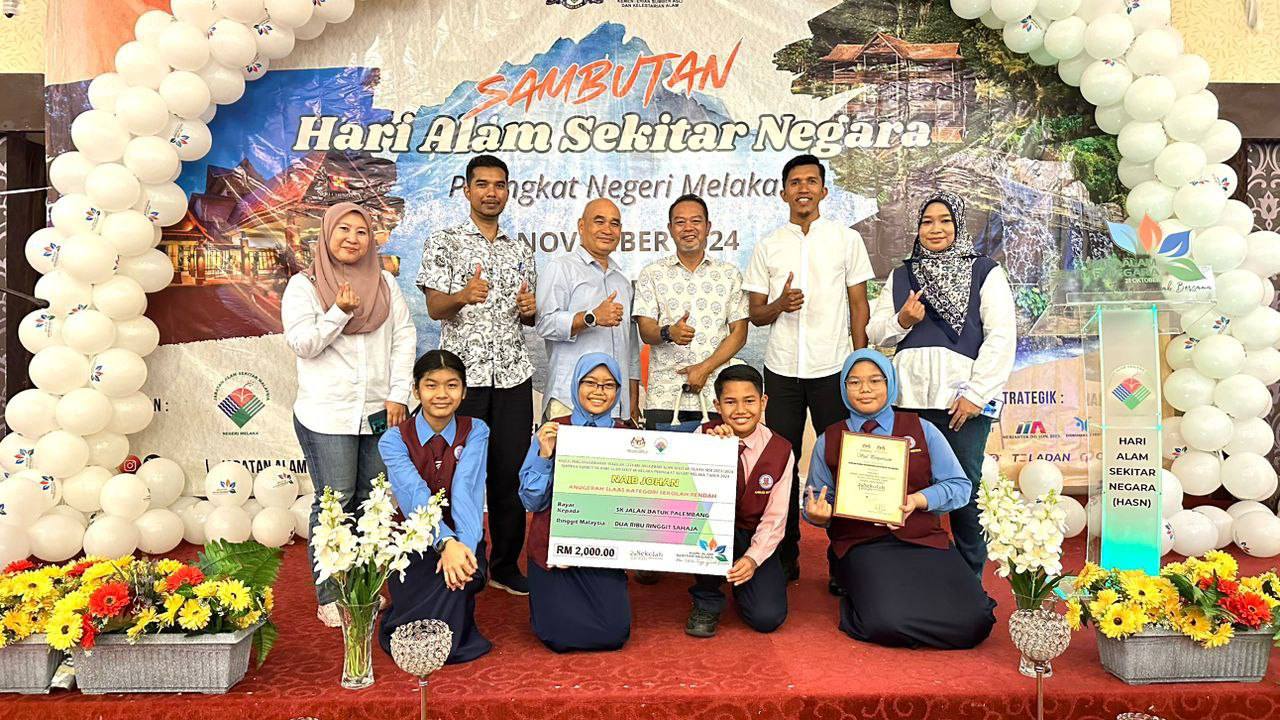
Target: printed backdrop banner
(602, 98)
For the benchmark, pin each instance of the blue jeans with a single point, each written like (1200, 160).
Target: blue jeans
(970, 447)
(346, 463)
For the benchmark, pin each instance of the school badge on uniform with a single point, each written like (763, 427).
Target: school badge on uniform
(766, 481)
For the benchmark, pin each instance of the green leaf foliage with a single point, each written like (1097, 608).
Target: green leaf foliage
(249, 562)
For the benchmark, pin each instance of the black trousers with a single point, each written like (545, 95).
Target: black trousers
(422, 595)
(509, 414)
(789, 399)
(970, 446)
(899, 594)
(579, 608)
(761, 601)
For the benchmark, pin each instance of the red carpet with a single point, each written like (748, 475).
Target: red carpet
(807, 669)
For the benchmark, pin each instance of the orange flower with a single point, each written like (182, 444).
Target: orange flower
(89, 634)
(109, 600)
(18, 566)
(1250, 609)
(185, 575)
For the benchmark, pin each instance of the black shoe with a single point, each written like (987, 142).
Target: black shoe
(702, 623)
(791, 571)
(515, 583)
(834, 588)
(647, 577)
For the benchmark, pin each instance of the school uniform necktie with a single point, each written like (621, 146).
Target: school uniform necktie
(742, 458)
(869, 426)
(437, 447)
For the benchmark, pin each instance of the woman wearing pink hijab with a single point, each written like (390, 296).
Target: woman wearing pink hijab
(347, 322)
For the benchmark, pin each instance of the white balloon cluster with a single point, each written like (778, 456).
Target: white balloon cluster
(99, 260)
(240, 506)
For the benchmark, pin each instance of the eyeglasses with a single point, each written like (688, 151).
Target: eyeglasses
(871, 382)
(592, 386)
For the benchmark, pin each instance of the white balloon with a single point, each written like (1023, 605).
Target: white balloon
(1057, 9)
(61, 454)
(111, 536)
(255, 68)
(1025, 34)
(39, 329)
(58, 369)
(336, 11)
(1154, 51)
(164, 478)
(1064, 39)
(1220, 247)
(1076, 516)
(184, 46)
(1239, 292)
(1007, 10)
(1250, 435)
(1257, 329)
(55, 537)
(1263, 363)
(1199, 322)
(1193, 533)
(231, 43)
(1244, 507)
(99, 135)
(251, 508)
(229, 524)
(1172, 443)
(103, 91)
(193, 520)
(140, 65)
(118, 373)
(142, 111)
(150, 160)
(1105, 82)
(139, 335)
(1199, 472)
(1141, 142)
(1222, 176)
(1091, 10)
(68, 172)
(273, 526)
(228, 484)
(14, 545)
(1222, 522)
(31, 412)
(21, 502)
(1108, 36)
(275, 487)
(152, 269)
(1206, 428)
(132, 414)
(1191, 116)
(1189, 73)
(125, 496)
(1149, 98)
(46, 484)
(226, 85)
(311, 29)
(159, 531)
(967, 9)
(83, 491)
(64, 293)
(1038, 477)
(1221, 141)
(180, 505)
(275, 41)
(120, 298)
(1258, 534)
(151, 25)
(209, 115)
(185, 94)
(1111, 119)
(1152, 197)
(1198, 205)
(197, 12)
(128, 231)
(1179, 163)
(74, 213)
(84, 411)
(1170, 493)
(191, 138)
(301, 509)
(1242, 396)
(88, 332)
(1217, 357)
(164, 204)
(108, 448)
(88, 258)
(1148, 14)
(1263, 256)
(42, 249)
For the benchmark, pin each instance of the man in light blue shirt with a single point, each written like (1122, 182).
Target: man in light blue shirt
(584, 305)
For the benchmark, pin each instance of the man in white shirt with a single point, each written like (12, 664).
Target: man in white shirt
(807, 281)
(692, 313)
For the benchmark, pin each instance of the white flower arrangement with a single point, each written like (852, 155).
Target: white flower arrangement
(359, 561)
(1024, 537)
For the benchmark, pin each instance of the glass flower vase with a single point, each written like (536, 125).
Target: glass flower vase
(358, 626)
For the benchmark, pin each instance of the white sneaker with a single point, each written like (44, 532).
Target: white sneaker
(328, 614)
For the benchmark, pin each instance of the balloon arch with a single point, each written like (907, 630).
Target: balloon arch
(99, 259)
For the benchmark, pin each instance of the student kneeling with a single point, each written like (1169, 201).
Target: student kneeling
(435, 449)
(905, 586)
(764, 482)
(573, 608)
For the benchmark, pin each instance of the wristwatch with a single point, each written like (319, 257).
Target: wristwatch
(589, 318)
(665, 332)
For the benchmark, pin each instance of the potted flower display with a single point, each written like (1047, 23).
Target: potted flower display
(1195, 622)
(27, 593)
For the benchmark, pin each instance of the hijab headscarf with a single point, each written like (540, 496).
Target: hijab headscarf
(946, 275)
(586, 364)
(365, 275)
(891, 387)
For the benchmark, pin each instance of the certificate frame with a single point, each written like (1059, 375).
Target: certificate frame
(847, 500)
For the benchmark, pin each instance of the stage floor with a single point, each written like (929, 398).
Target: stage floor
(807, 669)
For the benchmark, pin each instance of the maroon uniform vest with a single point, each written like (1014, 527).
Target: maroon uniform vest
(922, 527)
(437, 477)
(540, 524)
(754, 489)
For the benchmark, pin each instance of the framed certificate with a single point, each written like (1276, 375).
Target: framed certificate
(872, 482)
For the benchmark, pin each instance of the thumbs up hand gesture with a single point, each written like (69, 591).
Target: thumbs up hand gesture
(791, 299)
(526, 302)
(476, 290)
(609, 312)
(682, 332)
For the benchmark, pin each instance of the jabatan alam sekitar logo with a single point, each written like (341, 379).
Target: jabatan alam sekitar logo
(240, 397)
(1168, 252)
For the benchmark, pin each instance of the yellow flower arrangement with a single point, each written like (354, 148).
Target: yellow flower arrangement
(1073, 614)
(194, 615)
(206, 589)
(233, 594)
(1103, 601)
(20, 622)
(268, 599)
(145, 619)
(172, 604)
(1222, 564)
(1220, 636)
(34, 584)
(64, 630)
(1089, 574)
(248, 619)
(167, 566)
